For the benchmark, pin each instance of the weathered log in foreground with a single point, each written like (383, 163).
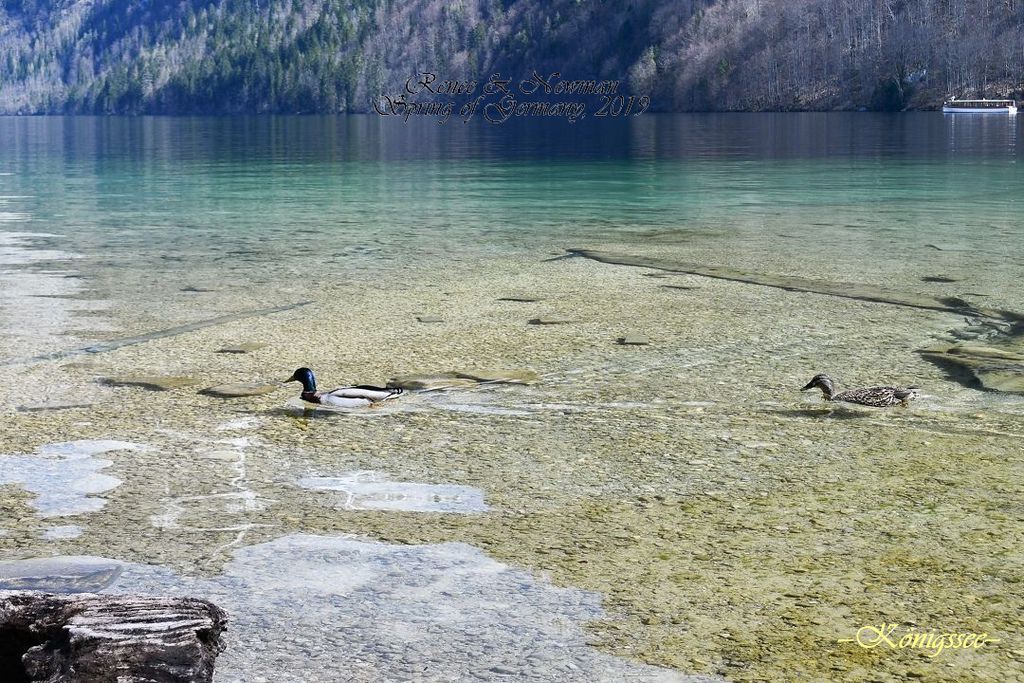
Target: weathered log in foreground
(88, 638)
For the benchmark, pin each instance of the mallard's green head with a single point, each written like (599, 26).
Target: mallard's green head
(305, 376)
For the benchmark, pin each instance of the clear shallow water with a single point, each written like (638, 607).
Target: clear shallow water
(355, 610)
(118, 227)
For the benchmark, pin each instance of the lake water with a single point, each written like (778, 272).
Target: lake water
(639, 501)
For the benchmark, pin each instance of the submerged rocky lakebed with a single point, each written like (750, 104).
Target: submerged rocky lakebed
(603, 468)
(631, 511)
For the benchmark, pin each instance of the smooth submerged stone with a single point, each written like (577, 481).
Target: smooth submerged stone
(995, 368)
(240, 389)
(633, 340)
(244, 347)
(457, 379)
(973, 332)
(79, 365)
(152, 382)
(67, 574)
(984, 352)
(432, 382)
(499, 376)
(550, 320)
(936, 349)
(1007, 379)
(45, 407)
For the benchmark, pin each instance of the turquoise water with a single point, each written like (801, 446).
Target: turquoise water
(265, 177)
(148, 206)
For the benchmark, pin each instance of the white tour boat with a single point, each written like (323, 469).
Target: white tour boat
(955, 106)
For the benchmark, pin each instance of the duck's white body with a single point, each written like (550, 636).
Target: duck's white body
(351, 397)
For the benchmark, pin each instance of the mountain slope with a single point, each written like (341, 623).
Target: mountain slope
(232, 56)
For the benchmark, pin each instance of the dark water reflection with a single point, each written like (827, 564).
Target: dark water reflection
(308, 139)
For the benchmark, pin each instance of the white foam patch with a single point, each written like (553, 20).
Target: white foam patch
(310, 608)
(64, 476)
(368, 490)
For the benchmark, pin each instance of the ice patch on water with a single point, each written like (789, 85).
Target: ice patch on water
(64, 476)
(368, 490)
(314, 608)
(60, 533)
(240, 423)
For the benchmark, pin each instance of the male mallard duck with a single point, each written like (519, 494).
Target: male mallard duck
(879, 397)
(343, 397)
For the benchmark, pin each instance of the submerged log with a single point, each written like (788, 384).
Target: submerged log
(88, 638)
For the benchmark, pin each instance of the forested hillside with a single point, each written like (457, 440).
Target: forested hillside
(227, 56)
